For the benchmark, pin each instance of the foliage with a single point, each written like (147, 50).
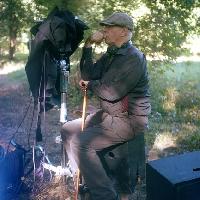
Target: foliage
(161, 26)
(158, 85)
(161, 32)
(189, 142)
(175, 109)
(159, 37)
(14, 18)
(177, 93)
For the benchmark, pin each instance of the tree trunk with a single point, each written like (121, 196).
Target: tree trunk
(12, 46)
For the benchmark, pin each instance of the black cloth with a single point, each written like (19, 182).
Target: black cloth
(57, 36)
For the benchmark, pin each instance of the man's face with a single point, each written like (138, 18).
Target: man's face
(113, 34)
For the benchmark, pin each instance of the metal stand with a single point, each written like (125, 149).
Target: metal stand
(64, 80)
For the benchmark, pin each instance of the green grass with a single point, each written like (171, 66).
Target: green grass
(21, 57)
(186, 70)
(18, 58)
(179, 123)
(176, 103)
(18, 76)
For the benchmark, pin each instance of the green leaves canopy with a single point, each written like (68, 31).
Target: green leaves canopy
(161, 26)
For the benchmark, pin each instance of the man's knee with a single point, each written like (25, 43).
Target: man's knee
(75, 142)
(79, 142)
(70, 128)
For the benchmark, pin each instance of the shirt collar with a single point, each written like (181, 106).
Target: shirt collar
(113, 50)
(124, 48)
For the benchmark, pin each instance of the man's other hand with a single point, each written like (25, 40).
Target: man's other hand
(97, 37)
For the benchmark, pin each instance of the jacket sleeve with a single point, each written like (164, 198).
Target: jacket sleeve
(116, 84)
(89, 69)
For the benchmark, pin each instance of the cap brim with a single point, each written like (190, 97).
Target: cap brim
(103, 23)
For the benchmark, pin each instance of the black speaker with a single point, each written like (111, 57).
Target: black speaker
(174, 178)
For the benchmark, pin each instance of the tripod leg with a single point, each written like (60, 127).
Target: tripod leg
(63, 160)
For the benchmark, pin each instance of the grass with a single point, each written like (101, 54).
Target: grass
(21, 57)
(15, 73)
(175, 119)
(188, 70)
(18, 76)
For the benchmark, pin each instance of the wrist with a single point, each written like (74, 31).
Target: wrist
(88, 43)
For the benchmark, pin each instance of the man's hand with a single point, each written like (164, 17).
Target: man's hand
(83, 84)
(97, 37)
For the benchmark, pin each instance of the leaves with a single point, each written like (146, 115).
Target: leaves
(161, 26)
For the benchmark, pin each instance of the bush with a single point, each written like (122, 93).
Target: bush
(190, 142)
(177, 93)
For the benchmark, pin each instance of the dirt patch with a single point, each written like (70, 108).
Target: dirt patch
(18, 122)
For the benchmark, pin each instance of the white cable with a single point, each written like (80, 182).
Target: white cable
(34, 163)
(59, 170)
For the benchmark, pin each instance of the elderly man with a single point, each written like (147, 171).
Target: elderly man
(120, 81)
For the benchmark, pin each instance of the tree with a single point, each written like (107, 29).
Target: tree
(165, 27)
(161, 26)
(14, 17)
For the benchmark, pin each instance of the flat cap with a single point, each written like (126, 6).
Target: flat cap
(118, 19)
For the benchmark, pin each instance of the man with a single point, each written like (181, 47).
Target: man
(120, 80)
